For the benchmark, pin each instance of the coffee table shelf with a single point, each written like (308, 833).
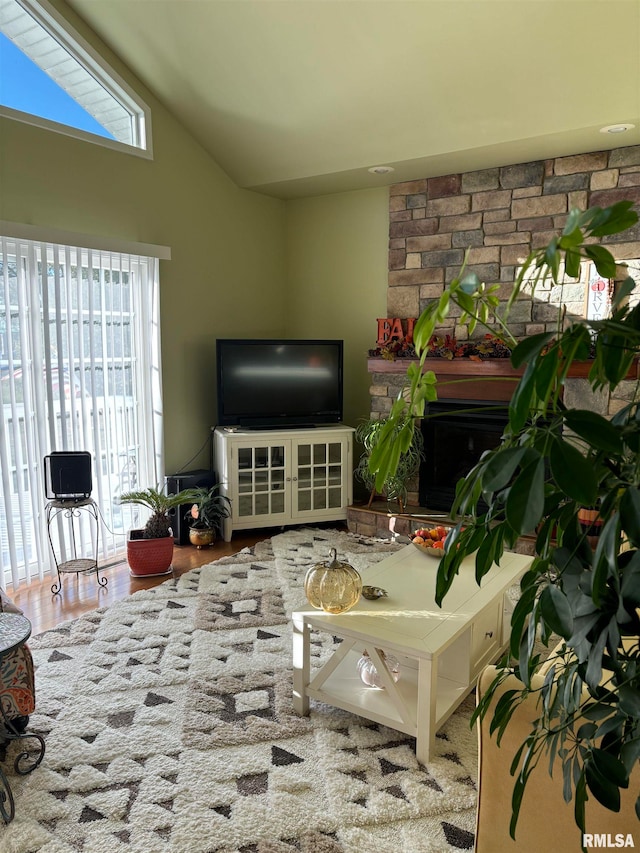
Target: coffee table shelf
(344, 689)
(441, 650)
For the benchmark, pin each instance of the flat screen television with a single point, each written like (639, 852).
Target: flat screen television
(265, 383)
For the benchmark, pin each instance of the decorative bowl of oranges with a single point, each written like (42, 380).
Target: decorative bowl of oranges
(430, 540)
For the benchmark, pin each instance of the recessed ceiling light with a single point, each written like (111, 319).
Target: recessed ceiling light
(381, 170)
(616, 128)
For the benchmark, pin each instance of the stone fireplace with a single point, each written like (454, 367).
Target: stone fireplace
(456, 433)
(466, 389)
(477, 385)
(498, 216)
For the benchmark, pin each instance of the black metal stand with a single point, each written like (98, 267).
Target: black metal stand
(25, 762)
(76, 565)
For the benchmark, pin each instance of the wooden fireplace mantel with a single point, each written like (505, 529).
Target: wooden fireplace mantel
(460, 378)
(465, 379)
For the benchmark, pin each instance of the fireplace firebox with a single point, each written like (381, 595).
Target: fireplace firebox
(456, 433)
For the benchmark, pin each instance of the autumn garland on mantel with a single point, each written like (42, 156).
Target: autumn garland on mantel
(445, 346)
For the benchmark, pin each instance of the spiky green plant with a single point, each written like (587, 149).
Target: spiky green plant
(409, 459)
(160, 504)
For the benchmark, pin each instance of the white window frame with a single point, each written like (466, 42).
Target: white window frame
(80, 50)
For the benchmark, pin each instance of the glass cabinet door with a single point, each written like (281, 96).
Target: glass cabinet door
(318, 475)
(261, 481)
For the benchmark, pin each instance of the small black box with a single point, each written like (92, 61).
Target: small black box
(175, 483)
(67, 475)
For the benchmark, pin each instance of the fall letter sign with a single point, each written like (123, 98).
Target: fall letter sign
(390, 329)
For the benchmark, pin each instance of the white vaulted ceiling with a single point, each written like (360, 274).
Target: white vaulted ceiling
(301, 97)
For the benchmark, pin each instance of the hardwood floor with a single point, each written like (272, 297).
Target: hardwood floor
(81, 593)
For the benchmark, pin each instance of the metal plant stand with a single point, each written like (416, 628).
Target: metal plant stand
(14, 632)
(76, 565)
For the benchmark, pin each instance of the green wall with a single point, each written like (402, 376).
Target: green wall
(336, 251)
(226, 276)
(243, 264)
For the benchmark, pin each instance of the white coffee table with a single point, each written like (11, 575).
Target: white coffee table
(441, 650)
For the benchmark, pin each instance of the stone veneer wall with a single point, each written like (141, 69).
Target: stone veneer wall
(500, 215)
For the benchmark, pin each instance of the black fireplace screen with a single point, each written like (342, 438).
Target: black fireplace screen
(456, 433)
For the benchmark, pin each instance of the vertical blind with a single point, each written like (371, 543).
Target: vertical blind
(79, 371)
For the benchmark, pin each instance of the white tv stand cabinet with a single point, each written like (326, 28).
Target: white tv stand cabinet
(280, 477)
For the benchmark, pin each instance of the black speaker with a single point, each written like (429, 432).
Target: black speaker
(175, 483)
(67, 475)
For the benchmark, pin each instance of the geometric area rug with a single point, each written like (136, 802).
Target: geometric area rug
(169, 726)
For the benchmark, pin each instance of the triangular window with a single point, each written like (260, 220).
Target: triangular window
(51, 77)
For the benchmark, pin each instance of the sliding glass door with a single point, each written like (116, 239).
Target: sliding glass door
(79, 370)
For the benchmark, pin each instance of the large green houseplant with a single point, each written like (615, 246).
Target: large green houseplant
(551, 461)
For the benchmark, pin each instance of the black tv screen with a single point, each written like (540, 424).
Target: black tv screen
(271, 383)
